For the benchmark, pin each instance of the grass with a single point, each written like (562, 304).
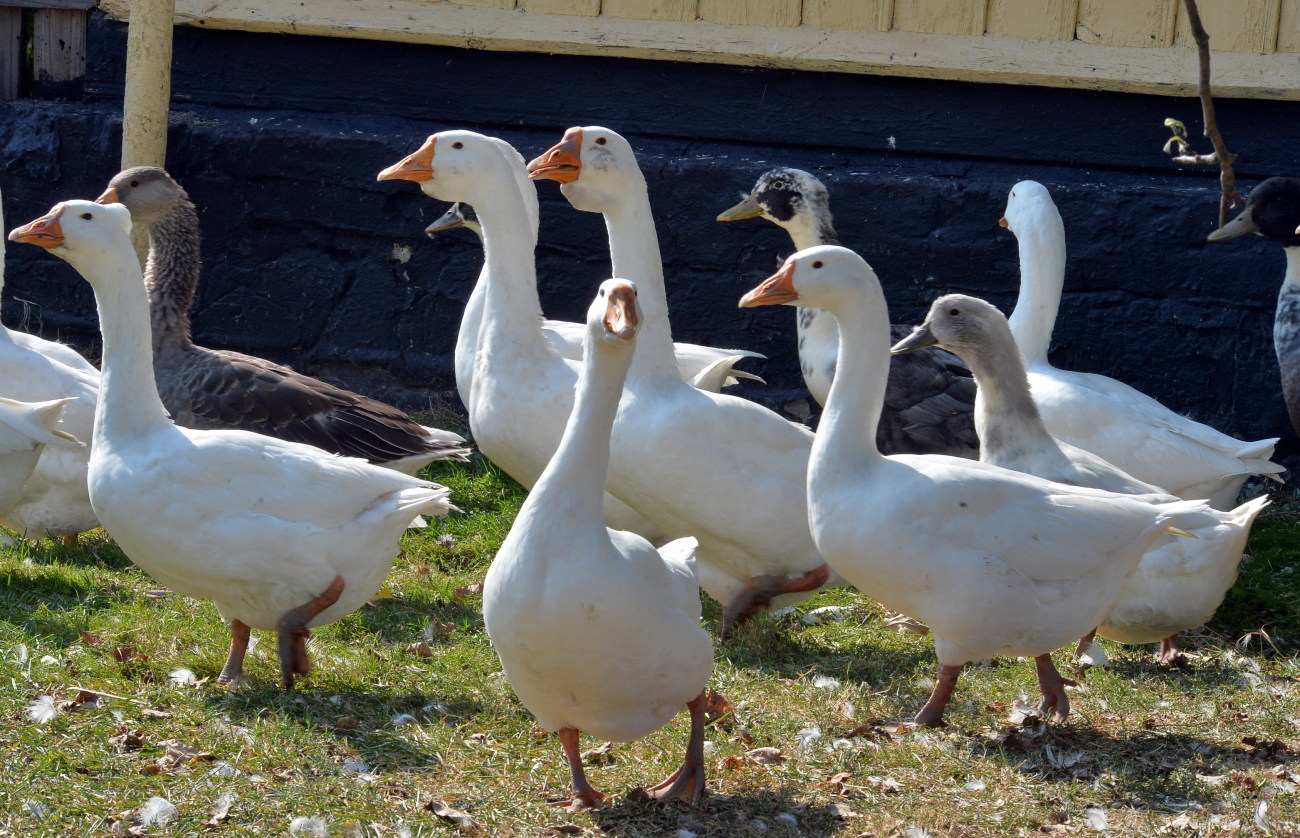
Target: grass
(407, 714)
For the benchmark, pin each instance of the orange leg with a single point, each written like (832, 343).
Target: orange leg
(233, 671)
(931, 714)
(1052, 685)
(1169, 654)
(687, 782)
(293, 632)
(759, 591)
(584, 796)
(70, 540)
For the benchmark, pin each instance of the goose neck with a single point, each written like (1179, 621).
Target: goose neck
(634, 255)
(171, 276)
(1292, 265)
(1006, 416)
(1041, 241)
(846, 435)
(128, 402)
(510, 302)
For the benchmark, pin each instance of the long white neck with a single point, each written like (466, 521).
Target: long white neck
(634, 255)
(128, 398)
(846, 434)
(467, 338)
(572, 486)
(512, 311)
(1041, 238)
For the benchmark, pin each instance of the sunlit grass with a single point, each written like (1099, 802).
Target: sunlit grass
(406, 708)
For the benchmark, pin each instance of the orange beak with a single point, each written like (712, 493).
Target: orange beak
(620, 313)
(416, 167)
(1002, 222)
(109, 197)
(43, 232)
(562, 162)
(775, 290)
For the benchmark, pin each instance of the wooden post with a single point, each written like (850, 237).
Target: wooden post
(148, 83)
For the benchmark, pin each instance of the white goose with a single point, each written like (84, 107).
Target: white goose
(1180, 581)
(1126, 428)
(722, 469)
(281, 535)
(615, 646)
(703, 367)
(54, 499)
(994, 561)
(517, 388)
(929, 396)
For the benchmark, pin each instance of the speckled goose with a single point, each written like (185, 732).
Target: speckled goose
(217, 388)
(1273, 211)
(929, 395)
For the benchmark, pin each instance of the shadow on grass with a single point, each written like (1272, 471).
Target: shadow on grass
(771, 814)
(362, 720)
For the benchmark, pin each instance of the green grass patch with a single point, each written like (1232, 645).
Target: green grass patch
(406, 712)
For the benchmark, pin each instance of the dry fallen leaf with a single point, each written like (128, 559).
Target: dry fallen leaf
(718, 710)
(904, 624)
(468, 591)
(599, 754)
(421, 648)
(127, 740)
(179, 754)
(221, 809)
(564, 829)
(457, 818)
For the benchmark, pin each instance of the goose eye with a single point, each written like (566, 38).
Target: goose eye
(602, 292)
(87, 216)
(457, 144)
(135, 183)
(601, 141)
(954, 311)
(819, 263)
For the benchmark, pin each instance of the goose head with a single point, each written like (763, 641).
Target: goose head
(457, 215)
(447, 167)
(959, 323)
(824, 277)
(614, 316)
(1272, 210)
(147, 191)
(1026, 201)
(80, 233)
(594, 165)
(790, 198)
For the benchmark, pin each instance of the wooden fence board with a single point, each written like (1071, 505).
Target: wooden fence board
(584, 8)
(1242, 26)
(1043, 20)
(11, 52)
(752, 12)
(940, 17)
(1132, 23)
(1288, 28)
(651, 9)
(481, 4)
(58, 51)
(863, 15)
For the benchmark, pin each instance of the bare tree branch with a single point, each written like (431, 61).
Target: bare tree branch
(1227, 179)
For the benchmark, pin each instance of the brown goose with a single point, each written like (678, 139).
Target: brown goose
(214, 388)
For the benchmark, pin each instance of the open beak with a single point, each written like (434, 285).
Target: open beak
(620, 313)
(1002, 222)
(921, 338)
(109, 197)
(775, 290)
(1239, 226)
(747, 208)
(417, 167)
(43, 232)
(562, 162)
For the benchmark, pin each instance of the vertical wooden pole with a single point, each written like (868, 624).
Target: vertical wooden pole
(148, 83)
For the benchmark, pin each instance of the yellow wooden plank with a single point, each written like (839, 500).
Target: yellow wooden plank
(1288, 29)
(650, 9)
(865, 15)
(751, 12)
(586, 8)
(979, 58)
(1045, 20)
(1127, 23)
(940, 17)
(1240, 26)
(481, 4)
